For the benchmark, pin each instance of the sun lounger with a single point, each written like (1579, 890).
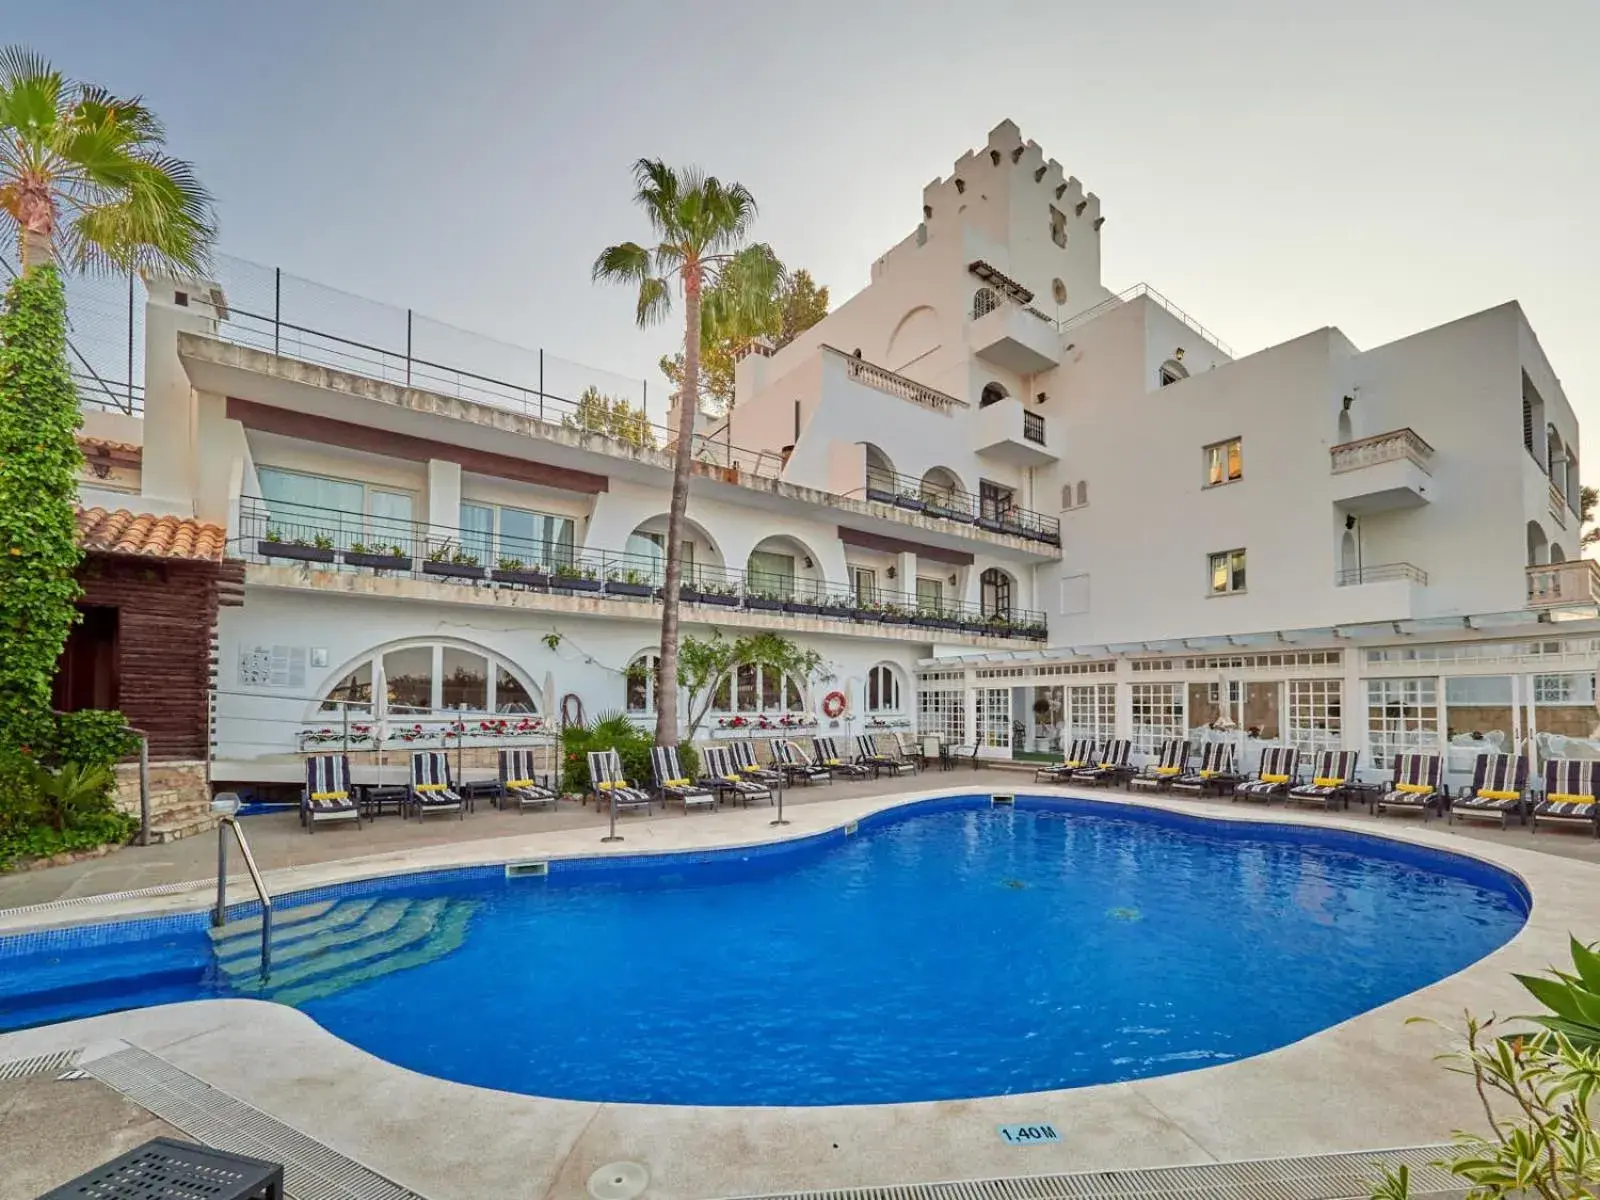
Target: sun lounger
(1170, 760)
(1274, 779)
(327, 794)
(796, 763)
(719, 772)
(869, 754)
(521, 784)
(1214, 773)
(608, 784)
(432, 789)
(1571, 786)
(744, 761)
(1331, 776)
(1108, 767)
(1415, 787)
(672, 783)
(1496, 794)
(1075, 759)
(826, 753)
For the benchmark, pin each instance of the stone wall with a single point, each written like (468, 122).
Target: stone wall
(178, 789)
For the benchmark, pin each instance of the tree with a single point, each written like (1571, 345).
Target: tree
(84, 176)
(797, 304)
(612, 416)
(709, 661)
(1588, 497)
(701, 224)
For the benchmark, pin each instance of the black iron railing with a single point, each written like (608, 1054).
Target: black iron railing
(1033, 427)
(276, 531)
(951, 503)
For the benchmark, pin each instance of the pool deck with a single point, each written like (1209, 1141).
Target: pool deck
(1369, 1082)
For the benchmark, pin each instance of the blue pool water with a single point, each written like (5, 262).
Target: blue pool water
(946, 950)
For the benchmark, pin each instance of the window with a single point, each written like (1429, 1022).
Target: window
(1402, 716)
(1092, 711)
(994, 715)
(1083, 491)
(653, 546)
(491, 532)
(1066, 495)
(758, 689)
(304, 506)
(1058, 226)
(1314, 714)
(864, 582)
(984, 301)
(943, 713)
(1172, 371)
(1227, 572)
(432, 677)
(771, 574)
(883, 690)
(994, 593)
(1224, 462)
(930, 594)
(1564, 689)
(995, 500)
(1527, 426)
(1157, 714)
(641, 679)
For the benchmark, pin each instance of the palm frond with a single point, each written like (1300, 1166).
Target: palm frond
(743, 298)
(657, 188)
(728, 213)
(655, 302)
(159, 219)
(30, 93)
(627, 262)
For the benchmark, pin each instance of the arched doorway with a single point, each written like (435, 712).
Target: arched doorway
(1349, 558)
(880, 474)
(1538, 545)
(992, 393)
(995, 592)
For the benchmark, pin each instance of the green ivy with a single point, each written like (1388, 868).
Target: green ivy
(93, 738)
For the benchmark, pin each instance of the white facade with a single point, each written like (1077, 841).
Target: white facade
(1061, 485)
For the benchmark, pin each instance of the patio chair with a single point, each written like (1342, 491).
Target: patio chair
(1108, 767)
(868, 754)
(326, 796)
(720, 773)
(1169, 763)
(673, 784)
(890, 746)
(1330, 779)
(1415, 787)
(1496, 794)
(744, 761)
(1570, 788)
(1214, 772)
(796, 763)
(1075, 759)
(827, 754)
(432, 789)
(521, 783)
(607, 782)
(908, 748)
(1279, 765)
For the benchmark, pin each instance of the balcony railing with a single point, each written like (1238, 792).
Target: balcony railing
(1033, 427)
(1393, 446)
(884, 380)
(1575, 582)
(1381, 572)
(960, 507)
(353, 542)
(1558, 506)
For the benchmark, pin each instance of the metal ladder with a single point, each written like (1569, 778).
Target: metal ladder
(228, 805)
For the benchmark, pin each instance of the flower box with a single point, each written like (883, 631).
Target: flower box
(974, 627)
(454, 570)
(914, 503)
(620, 587)
(300, 553)
(769, 603)
(378, 562)
(939, 510)
(897, 618)
(692, 596)
(573, 583)
(525, 578)
(992, 524)
(835, 610)
(962, 516)
(926, 620)
(880, 495)
(801, 606)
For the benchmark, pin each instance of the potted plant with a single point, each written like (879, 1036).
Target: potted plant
(512, 570)
(991, 522)
(456, 564)
(963, 516)
(973, 623)
(628, 582)
(836, 606)
(757, 598)
(893, 614)
(866, 610)
(938, 506)
(801, 604)
(722, 594)
(880, 494)
(379, 558)
(570, 577)
(1037, 631)
(912, 500)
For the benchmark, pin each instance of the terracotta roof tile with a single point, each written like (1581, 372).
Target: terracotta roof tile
(148, 536)
(125, 452)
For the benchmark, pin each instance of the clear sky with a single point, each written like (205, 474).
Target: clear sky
(1379, 165)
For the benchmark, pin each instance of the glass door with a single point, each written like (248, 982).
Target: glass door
(994, 720)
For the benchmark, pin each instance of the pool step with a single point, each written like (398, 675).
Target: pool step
(238, 940)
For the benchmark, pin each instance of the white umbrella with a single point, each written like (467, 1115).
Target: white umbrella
(380, 711)
(547, 702)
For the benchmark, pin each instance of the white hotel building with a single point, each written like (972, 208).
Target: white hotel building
(1004, 503)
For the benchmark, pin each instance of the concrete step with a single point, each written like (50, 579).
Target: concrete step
(241, 938)
(414, 926)
(315, 940)
(446, 936)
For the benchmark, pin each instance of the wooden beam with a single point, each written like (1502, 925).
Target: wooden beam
(894, 545)
(330, 432)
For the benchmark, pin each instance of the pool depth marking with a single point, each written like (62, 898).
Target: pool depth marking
(1028, 1135)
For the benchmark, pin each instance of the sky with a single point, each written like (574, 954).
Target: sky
(1271, 167)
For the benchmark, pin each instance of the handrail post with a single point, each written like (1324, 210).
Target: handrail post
(219, 915)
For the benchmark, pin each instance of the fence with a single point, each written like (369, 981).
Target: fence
(105, 337)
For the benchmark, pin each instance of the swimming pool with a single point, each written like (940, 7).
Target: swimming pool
(947, 948)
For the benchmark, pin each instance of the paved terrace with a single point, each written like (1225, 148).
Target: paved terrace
(1369, 1082)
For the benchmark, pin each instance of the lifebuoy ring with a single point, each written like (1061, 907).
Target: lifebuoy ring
(833, 705)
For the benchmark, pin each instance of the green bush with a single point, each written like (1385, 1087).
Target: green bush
(40, 841)
(93, 738)
(613, 731)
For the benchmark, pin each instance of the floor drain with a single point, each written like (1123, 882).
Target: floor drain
(618, 1181)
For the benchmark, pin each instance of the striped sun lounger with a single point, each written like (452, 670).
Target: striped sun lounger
(1496, 794)
(1109, 766)
(826, 753)
(327, 795)
(521, 784)
(1571, 786)
(1215, 770)
(744, 760)
(796, 763)
(720, 773)
(608, 783)
(672, 783)
(1170, 760)
(432, 789)
(867, 749)
(1415, 787)
(1272, 782)
(1331, 776)
(1075, 759)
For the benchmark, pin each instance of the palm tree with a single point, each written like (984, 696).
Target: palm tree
(84, 177)
(701, 225)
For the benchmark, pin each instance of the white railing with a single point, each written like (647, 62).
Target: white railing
(1574, 582)
(884, 380)
(1558, 506)
(1133, 293)
(1381, 448)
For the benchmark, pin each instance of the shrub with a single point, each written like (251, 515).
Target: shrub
(613, 731)
(93, 738)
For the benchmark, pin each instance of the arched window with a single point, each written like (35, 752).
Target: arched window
(642, 678)
(984, 300)
(1557, 554)
(1066, 495)
(1538, 545)
(1172, 371)
(883, 690)
(752, 688)
(994, 593)
(880, 473)
(434, 677)
(993, 393)
(1083, 491)
(1347, 432)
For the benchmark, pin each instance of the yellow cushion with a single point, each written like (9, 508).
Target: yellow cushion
(1169, 770)
(1209, 774)
(1274, 779)
(1074, 764)
(1416, 789)
(330, 795)
(519, 783)
(1327, 781)
(677, 783)
(1107, 766)
(1570, 798)
(1491, 794)
(733, 779)
(430, 787)
(605, 785)
(832, 762)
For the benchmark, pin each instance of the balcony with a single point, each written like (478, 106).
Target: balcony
(1381, 473)
(1558, 507)
(960, 507)
(1381, 573)
(881, 379)
(1015, 338)
(1007, 431)
(1571, 584)
(486, 569)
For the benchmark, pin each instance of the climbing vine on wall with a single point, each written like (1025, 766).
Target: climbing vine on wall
(39, 464)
